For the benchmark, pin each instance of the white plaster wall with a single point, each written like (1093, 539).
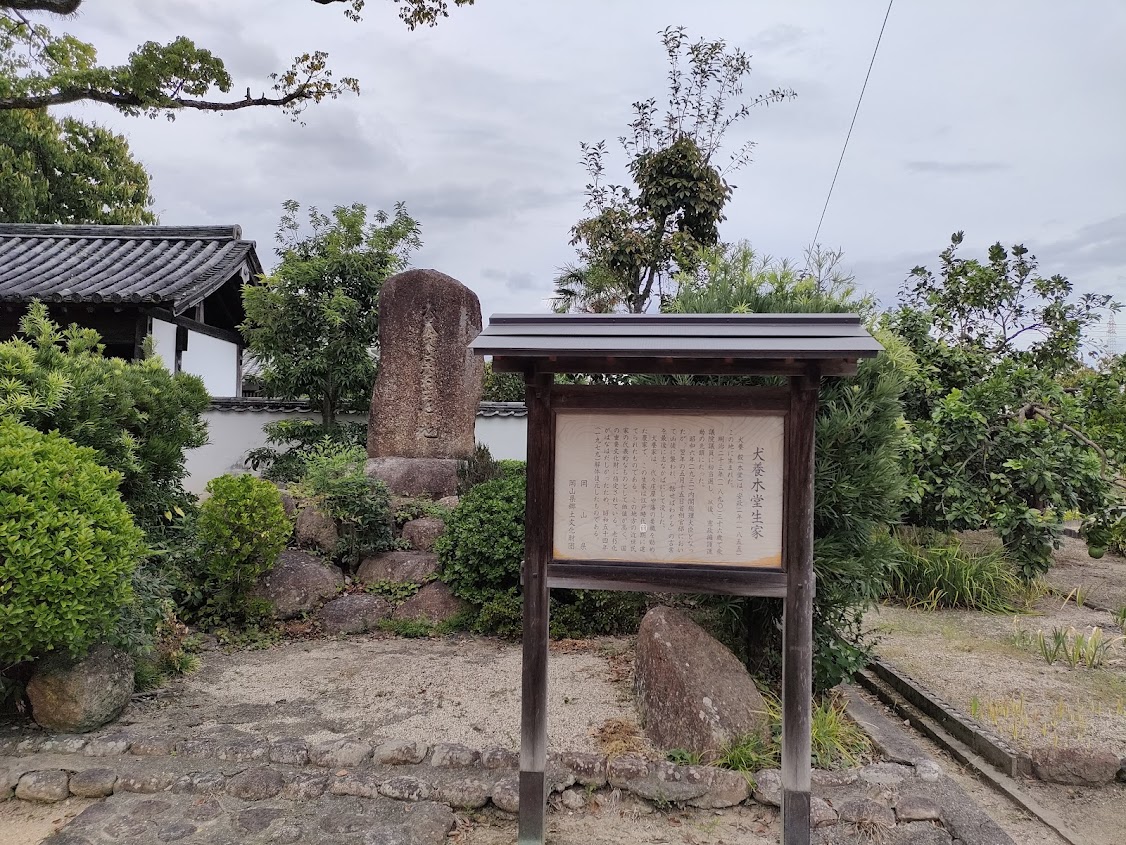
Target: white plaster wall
(506, 437)
(232, 434)
(164, 334)
(213, 360)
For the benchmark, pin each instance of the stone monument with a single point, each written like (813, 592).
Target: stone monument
(424, 405)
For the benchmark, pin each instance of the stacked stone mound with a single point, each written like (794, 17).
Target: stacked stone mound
(432, 603)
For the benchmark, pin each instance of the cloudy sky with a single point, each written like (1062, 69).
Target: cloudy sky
(1004, 118)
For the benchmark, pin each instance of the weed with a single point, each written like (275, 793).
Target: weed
(1077, 648)
(255, 636)
(1120, 618)
(684, 758)
(1078, 595)
(975, 706)
(409, 628)
(396, 592)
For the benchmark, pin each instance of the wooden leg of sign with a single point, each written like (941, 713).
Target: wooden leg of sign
(537, 550)
(797, 624)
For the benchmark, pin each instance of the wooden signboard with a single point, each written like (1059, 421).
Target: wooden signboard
(672, 489)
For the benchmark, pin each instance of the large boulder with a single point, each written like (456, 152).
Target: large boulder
(410, 567)
(416, 476)
(298, 583)
(315, 529)
(423, 533)
(434, 603)
(354, 613)
(692, 692)
(1075, 766)
(76, 696)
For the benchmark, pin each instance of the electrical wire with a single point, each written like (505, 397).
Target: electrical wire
(859, 100)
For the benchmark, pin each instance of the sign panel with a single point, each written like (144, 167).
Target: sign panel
(669, 487)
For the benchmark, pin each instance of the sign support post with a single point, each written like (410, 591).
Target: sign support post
(797, 619)
(537, 551)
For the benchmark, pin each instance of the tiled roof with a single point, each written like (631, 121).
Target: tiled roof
(172, 266)
(259, 405)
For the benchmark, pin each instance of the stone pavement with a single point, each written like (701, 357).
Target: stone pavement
(224, 785)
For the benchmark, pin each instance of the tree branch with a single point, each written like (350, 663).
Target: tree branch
(1034, 410)
(57, 7)
(74, 95)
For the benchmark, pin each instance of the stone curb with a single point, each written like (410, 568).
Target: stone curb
(983, 742)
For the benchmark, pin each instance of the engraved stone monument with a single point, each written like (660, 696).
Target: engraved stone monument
(429, 383)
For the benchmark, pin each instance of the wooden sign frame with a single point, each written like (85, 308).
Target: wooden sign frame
(794, 581)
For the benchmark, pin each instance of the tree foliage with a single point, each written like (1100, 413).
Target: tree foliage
(860, 482)
(999, 441)
(636, 237)
(137, 416)
(39, 68)
(68, 171)
(313, 324)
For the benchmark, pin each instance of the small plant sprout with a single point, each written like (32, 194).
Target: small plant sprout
(1120, 618)
(1077, 648)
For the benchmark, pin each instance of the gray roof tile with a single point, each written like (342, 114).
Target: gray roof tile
(173, 266)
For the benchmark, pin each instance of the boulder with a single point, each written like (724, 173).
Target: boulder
(434, 603)
(77, 696)
(450, 502)
(298, 582)
(353, 613)
(422, 533)
(1076, 766)
(411, 567)
(316, 530)
(416, 476)
(692, 692)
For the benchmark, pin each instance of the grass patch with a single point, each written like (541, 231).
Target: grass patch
(837, 742)
(939, 572)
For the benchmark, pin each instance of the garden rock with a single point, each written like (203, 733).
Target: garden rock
(298, 583)
(47, 786)
(1075, 766)
(339, 753)
(506, 795)
(768, 787)
(449, 502)
(410, 567)
(725, 789)
(866, 812)
(918, 833)
(354, 613)
(93, 783)
(256, 784)
(316, 529)
(424, 404)
(916, 808)
(78, 696)
(422, 533)
(820, 813)
(398, 752)
(434, 603)
(692, 692)
(416, 476)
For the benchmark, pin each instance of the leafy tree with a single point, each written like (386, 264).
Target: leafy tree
(1000, 442)
(313, 324)
(860, 444)
(39, 68)
(637, 237)
(502, 387)
(68, 171)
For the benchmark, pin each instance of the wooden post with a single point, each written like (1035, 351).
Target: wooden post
(797, 625)
(537, 551)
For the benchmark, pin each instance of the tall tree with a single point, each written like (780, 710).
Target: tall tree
(68, 171)
(313, 324)
(637, 237)
(999, 442)
(42, 69)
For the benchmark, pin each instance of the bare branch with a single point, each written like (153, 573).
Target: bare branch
(75, 95)
(57, 7)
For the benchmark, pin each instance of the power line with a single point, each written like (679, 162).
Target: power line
(859, 100)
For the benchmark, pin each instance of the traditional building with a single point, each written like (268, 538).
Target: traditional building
(181, 285)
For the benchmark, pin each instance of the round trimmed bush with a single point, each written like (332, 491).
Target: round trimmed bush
(242, 530)
(68, 545)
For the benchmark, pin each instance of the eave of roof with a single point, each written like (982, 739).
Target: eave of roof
(171, 266)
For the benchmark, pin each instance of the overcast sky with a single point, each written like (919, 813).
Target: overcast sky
(1005, 118)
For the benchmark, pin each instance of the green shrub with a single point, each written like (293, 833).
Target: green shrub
(242, 529)
(334, 479)
(139, 417)
(289, 443)
(941, 573)
(483, 544)
(68, 545)
(480, 555)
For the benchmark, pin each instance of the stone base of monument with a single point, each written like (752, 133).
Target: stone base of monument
(435, 477)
